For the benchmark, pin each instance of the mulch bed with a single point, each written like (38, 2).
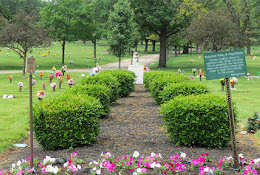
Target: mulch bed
(135, 125)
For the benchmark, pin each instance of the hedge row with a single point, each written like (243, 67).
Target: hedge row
(73, 118)
(192, 115)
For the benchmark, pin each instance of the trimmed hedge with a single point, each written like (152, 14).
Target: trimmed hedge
(67, 121)
(157, 85)
(200, 120)
(150, 76)
(106, 80)
(125, 78)
(98, 91)
(184, 88)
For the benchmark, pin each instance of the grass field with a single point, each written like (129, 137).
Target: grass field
(82, 56)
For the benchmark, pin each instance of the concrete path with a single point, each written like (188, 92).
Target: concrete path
(143, 60)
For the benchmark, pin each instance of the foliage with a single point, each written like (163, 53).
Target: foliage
(150, 76)
(205, 116)
(100, 92)
(106, 80)
(253, 123)
(125, 78)
(121, 28)
(213, 30)
(67, 121)
(183, 88)
(157, 85)
(160, 17)
(21, 35)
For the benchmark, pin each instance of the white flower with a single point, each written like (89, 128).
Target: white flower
(183, 155)
(153, 165)
(158, 165)
(13, 165)
(134, 173)
(98, 172)
(136, 154)
(139, 170)
(65, 164)
(241, 155)
(206, 169)
(152, 154)
(101, 165)
(79, 167)
(55, 170)
(95, 162)
(90, 163)
(230, 157)
(94, 169)
(101, 155)
(257, 160)
(18, 163)
(107, 155)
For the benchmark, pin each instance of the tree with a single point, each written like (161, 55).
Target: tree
(214, 31)
(21, 35)
(121, 28)
(161, 17)
(60, 17)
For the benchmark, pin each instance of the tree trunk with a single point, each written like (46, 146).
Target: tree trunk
(179, 50)
(170, 51)
(167, 51)
(185, 49)
(197, 48)
(191, 48)
(154, 41)
(146, 45)
(95, 48)
(248, 49)
(162, 59)
(136, 48)
(175, 51)
(119, 60)
(24, 62)
(63, 51)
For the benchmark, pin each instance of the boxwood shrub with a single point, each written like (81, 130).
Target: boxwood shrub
(126, 80)
(157, 85)
(67, 121)
(183, 88)
(98, 91)
(200, 120)
(106, 80)
(150, 76)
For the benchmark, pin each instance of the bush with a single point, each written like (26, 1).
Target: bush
(150, 76)
(157, 85)
(100, 92)
(67, 121)
(200, 120)
(106, 80)
(173, 90)
(125, 78)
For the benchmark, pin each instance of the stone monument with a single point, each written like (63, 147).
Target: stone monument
(137, 69)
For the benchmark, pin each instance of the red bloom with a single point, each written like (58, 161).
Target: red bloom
(202, 154)
(207, 154)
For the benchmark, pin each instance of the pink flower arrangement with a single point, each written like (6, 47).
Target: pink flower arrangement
(71, 81)
(58, 73)
(20, 84)
(53, 84)
(43, 84)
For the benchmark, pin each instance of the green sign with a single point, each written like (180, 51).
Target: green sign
(225, 64)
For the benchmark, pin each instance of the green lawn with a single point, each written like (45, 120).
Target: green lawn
(246, 94)
(80, 54)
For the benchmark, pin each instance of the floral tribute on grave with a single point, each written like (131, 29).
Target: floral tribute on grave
(51, 76)
(222, 82)
(10, 78)
(43, 86)
(71, 82)
(41, 74)
(20, 85)
(40, 95)
(63, 69)
(53, 85)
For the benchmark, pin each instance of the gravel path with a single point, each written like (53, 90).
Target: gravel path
(143, 60)
(134, 125)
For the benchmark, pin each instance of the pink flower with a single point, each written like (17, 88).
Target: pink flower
(131, 170)
(144, 170)
(43, 84)
(58, 73)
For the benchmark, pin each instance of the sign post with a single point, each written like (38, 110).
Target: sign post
(225, 65)
(30, 68)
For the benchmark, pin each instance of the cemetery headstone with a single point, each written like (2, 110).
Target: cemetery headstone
(137, 69)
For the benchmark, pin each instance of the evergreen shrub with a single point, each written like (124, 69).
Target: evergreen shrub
(184, 88)
(158, 84)
(98, 91)
(125, 78)
(67, 121)
(200, 120)
(106, 80)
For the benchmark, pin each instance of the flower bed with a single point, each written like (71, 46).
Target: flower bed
(132, 164)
